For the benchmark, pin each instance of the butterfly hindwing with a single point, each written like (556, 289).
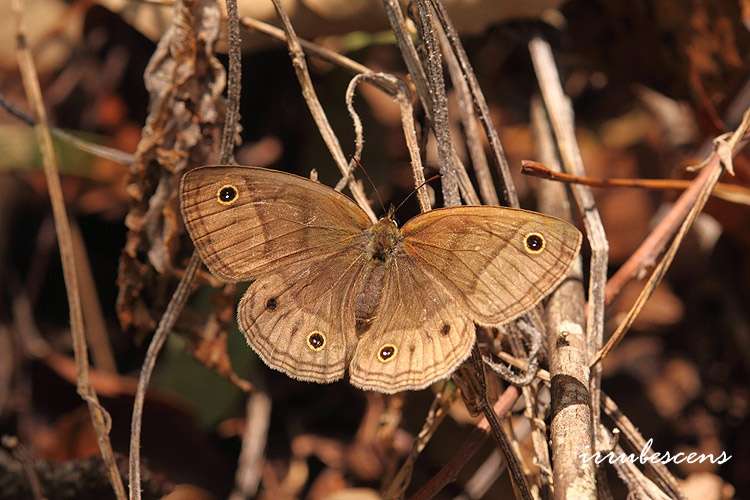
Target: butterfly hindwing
(419, 334)
(303, 324)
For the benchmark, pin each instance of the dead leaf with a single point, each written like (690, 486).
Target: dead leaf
(185, 81)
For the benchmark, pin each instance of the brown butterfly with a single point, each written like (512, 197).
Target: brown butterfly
(332, 290)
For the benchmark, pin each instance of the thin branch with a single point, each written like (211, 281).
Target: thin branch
(471, 379)
(99, 417)
(433, 64)
(409, 53)
(471, 128)
(234, 84)
(308, 92)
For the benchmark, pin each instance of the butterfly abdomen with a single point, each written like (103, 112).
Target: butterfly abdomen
(368, 297)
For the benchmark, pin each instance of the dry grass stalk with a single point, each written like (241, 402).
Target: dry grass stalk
(561, 117)
(571, 419)
(510, 197)
(99, 417)
(308, 92)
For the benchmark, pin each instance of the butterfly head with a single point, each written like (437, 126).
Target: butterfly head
(390, 215)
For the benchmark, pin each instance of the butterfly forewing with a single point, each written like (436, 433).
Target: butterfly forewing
(497, 262)
(271, 220)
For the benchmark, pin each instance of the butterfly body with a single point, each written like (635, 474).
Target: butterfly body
(333, 291)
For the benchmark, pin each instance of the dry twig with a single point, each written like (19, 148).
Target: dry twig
(167, 321)
(433, 65)
(509, 191)
(469, 122)
(407, 122)
(437, 412)
(561, 117)
(733, 193)
(470, 378)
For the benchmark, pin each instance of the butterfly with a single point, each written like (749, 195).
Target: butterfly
(331, 290)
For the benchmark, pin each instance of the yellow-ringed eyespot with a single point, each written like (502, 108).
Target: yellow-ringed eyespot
(316, 340)
(534, 243)
(387, 353)
(227, 194)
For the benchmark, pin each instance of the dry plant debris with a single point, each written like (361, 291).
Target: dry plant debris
(646, 345)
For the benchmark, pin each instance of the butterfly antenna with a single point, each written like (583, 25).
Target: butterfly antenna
(436, 176)
(372, 184)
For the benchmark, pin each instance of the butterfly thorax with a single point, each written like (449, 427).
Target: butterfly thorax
(384, 239)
